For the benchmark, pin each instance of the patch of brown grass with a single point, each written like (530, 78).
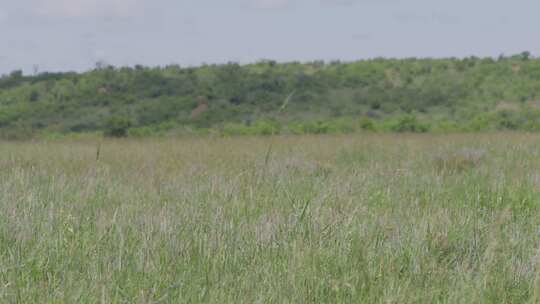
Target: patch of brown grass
(459, 160)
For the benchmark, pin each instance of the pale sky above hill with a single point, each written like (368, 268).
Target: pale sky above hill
(60, 35)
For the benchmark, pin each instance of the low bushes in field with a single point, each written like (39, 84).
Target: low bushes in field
(117, 126)
(410, 124)
(367, 124)
(123, 126)
(266, 127)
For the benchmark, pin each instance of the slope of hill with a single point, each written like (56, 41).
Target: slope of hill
(413, 95)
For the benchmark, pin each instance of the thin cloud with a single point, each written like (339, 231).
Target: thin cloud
(270, 4)
(339, 2)
(279, 4)
(3, 15)
(354, 2)
(433, 18)
(87, 8)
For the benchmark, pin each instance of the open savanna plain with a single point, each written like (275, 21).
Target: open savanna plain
(364, 218)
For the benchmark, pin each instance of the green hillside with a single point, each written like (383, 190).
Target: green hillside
(400, 95)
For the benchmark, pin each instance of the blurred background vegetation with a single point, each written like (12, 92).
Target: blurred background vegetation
(378, 95)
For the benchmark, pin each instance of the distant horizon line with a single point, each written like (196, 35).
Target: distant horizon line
(103, 64)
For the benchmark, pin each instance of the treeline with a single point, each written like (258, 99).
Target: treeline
(395, 95)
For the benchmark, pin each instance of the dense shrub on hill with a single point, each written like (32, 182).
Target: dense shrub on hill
(406, 95)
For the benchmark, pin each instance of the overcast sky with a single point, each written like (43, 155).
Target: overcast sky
(61, 35)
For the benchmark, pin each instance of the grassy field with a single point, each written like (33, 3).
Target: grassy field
(328, 219)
